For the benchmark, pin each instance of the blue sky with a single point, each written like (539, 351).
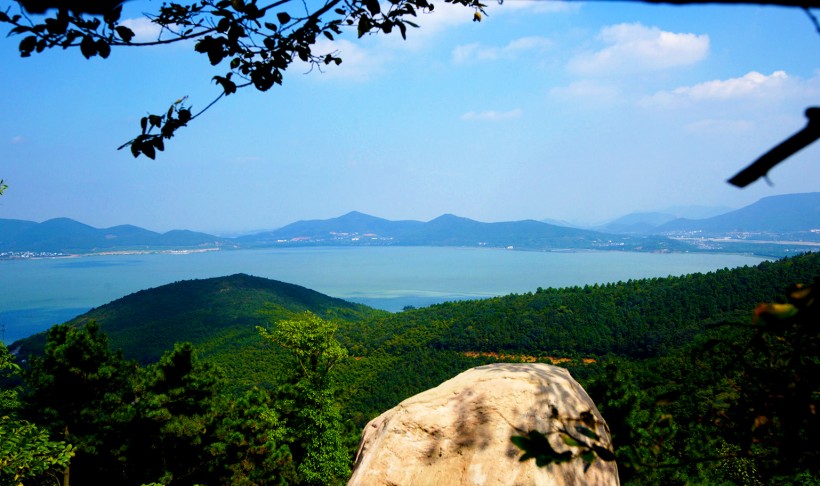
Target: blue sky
(574, 111)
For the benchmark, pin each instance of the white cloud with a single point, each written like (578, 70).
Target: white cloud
(477, 52)
(637, 48)
(17, 139)
(492, 115)
(753, 86)
(144, 30)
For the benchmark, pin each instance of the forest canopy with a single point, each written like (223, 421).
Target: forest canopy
(678, 366)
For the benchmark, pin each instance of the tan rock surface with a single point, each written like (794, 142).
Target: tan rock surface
(459, 432)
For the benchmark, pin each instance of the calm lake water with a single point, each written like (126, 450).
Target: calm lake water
(35, 294)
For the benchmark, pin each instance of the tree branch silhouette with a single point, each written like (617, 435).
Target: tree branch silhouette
(760, 167)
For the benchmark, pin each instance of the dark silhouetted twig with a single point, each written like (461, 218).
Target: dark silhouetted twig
(786, 149)
(813, 19)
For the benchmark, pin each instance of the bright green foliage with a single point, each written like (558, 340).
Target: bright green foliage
(312, 342)
(26, 452)
(315, 420)
(25, 449)
(3, 187)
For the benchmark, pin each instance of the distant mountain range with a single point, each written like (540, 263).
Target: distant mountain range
(639, 222)
(448, 230)
(793, 213)
(775, 219)
(786, 214)
(68, 236)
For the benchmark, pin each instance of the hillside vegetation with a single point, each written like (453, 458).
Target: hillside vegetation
(644, 349)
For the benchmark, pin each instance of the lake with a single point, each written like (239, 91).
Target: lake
(35, 294)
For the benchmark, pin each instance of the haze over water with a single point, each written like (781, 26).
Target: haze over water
(40, 293)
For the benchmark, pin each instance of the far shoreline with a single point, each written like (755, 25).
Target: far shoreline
(804, 247)
(33, 255)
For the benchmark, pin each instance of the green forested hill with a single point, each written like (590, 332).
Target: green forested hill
(205, 312)
(638, 318)
(397, 355)
(627, 343)
(411, 351)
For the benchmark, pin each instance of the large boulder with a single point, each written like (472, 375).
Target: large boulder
(459, 432)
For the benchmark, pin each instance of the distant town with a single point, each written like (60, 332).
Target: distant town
(27, 255)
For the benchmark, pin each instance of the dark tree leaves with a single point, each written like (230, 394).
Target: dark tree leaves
(227, 85)
(27, 45)
(125, 33)
(536, 445)
(88, 47)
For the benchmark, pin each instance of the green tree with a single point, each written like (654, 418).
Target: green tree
(172, 422)
(642, 431)
(76, 387)
(251, 441)
(314, 421)
(736, 406)
(769, 406)
(26, 452)
(171, 419)
(185, 427)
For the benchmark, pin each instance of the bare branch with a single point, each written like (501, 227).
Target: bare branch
(760, 167)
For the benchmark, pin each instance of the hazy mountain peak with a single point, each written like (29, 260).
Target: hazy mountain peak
(359, 216)
(784, 213)
(449, 218)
